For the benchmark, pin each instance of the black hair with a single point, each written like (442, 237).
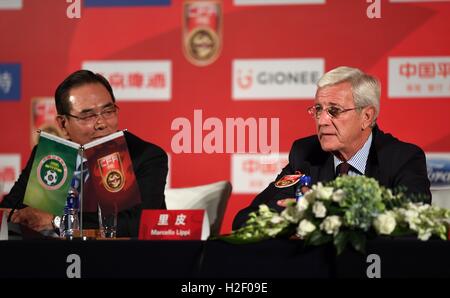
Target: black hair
(77, 79)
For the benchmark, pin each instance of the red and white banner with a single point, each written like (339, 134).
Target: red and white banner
(277, 2)
(248, 62)
(9, 171)
(136, 80)
(11, 4)
(411, 77)
(252, 173)
(276, 78)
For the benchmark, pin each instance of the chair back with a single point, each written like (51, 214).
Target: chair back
(211, 197)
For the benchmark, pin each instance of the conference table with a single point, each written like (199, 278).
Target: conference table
(217, 259)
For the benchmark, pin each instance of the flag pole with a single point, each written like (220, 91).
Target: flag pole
(80, 196)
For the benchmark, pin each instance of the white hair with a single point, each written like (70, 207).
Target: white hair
(365, 88)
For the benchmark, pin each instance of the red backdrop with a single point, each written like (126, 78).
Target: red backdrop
(49, 46)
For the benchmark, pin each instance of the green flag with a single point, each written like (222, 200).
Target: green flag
(51, 173)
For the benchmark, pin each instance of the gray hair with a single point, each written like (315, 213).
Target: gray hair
(365, 88)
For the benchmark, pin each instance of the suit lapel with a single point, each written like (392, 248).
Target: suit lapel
(326, 172)
(372, 169)
(372, 166)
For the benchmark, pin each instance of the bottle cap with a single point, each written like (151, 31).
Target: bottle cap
(305, 180)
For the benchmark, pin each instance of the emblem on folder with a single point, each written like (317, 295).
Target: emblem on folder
(202, 31)
(52, 172)
(111, 170)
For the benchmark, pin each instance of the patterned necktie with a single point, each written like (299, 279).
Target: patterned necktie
(343, 168)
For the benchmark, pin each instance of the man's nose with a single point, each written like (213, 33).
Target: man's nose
(100, 122)
(323, 118)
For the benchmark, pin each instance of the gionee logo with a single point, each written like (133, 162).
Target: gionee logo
(245, 80)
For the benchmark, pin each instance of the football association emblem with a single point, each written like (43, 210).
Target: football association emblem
(51, 172)
(202, 31)
(111, 170)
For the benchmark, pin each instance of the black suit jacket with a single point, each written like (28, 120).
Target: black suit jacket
(392, 162)
(150, 167)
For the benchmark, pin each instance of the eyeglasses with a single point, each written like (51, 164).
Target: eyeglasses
(332, 111)
(89, 118)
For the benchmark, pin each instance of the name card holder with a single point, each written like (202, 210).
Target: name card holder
(174, 225)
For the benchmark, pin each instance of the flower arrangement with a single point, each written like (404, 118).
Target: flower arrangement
(345, 211)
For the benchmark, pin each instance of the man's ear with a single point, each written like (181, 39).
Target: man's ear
(368, 116)
(62, 122)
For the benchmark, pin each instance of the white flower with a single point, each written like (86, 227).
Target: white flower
(291, 214)
(310, 195)
(305, 228)
(302, 205)
(264, 208)
(331, 224)
(272, 232)
(385, 223)
(338, 195)
(276, 219)
(364, 204)
(424, 207)
(390, 195)
(323, 192)
(319, 209)
(411, 217)
(424, 235)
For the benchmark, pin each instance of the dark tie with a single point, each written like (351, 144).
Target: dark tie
(343, 168)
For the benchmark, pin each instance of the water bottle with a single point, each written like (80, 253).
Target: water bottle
(70, 223)
(302, 187)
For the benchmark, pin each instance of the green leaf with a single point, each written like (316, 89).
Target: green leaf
(358, 241)
(334, 210)
(401, 231)
(340, 241)
(318, 238)
(288, 231)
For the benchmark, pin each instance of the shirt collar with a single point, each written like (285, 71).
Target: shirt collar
(359, 160)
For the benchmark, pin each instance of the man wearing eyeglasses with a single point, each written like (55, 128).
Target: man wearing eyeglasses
(348, 141)
(87, 111)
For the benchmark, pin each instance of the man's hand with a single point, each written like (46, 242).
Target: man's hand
(284, 202)
(33, 218)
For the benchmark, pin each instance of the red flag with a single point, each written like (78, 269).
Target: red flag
(111, 183)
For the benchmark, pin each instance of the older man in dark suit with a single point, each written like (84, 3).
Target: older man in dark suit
(345, 111)
(87, 111)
